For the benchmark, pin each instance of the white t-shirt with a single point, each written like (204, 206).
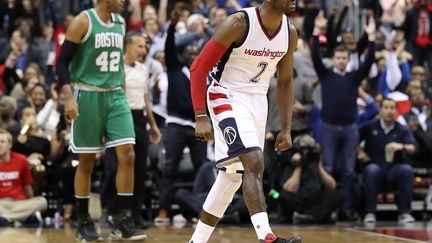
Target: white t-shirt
(136, 85)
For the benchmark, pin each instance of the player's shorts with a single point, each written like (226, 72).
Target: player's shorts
(104, 120)
(239, 122)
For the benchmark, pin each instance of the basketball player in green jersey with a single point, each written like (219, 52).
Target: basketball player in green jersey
(91, 62)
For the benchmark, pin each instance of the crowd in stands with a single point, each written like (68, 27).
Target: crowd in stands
(361, 124)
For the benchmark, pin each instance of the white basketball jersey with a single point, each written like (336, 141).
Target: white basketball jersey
(248, 66)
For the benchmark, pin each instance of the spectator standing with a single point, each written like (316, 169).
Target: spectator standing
(180, 121)
(339, 112)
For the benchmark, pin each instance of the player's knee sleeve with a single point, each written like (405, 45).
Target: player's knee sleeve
(222, 193)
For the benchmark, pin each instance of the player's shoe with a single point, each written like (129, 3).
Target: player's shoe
(86, 230)
(271, 238)
(124, 228)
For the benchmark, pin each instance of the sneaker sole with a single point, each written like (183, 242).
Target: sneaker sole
(133, 238)
(100, 239)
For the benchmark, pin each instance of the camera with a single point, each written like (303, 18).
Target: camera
(305, 151)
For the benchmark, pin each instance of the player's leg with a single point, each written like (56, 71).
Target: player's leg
(253, 194)
(86, 230)
(124, 178)
(120, 134)
(82, 182)
(86, 144)
(251, 128)
(215, 205)
(225, 149)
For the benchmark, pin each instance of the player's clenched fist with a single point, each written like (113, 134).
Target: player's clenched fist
(203, 128)
(70, 104)
(71, 109)
(283, 141)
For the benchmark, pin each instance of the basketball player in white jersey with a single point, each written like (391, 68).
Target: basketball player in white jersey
(242, 56)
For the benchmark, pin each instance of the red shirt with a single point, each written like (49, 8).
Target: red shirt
(14, 175)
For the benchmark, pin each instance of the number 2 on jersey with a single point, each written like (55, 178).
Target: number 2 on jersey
(263, 66)
(111, 65)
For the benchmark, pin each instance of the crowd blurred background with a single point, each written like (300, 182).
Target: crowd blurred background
(300, 184)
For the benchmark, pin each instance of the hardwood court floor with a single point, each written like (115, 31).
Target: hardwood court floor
(312, 234)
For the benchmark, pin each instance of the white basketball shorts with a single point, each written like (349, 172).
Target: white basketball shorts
(239, 122)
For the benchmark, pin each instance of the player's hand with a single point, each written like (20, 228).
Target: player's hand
(203, 129)
(71, 108)
(70, 104)
(283, 141)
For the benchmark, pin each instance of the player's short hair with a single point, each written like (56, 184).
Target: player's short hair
(8, 135)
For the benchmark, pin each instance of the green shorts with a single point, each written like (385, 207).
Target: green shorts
(104, 120)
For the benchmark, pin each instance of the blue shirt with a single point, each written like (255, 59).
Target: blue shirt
(376, 138)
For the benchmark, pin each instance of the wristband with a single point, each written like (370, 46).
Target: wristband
(200, 115)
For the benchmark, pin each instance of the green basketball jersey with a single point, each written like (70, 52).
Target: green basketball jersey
(99, 59)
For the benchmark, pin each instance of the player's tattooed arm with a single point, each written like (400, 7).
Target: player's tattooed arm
(285, 92)
(232, 29)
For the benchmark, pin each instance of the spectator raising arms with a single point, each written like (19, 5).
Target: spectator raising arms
(339, 112)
